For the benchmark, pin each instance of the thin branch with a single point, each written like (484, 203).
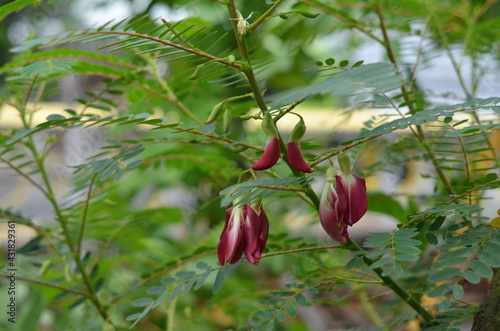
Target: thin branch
(84, 216)
(43, 283)
(25, 176)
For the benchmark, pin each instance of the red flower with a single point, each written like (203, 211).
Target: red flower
(256, 232)
(246, 231)
(270, 157)
(342, 204)
(296, 159)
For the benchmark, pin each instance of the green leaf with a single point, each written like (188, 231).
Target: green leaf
(46, 68)
(266, 326)
(156, 290)
(471, 276)
(219, 280)
(132, 317)
(382, 262)
(431, 238)
(437, 223)
(189, 285)
(489, 258)
(291, 309)
(301, 299)
(175, 292)
(15, 6)
(282, 294)
(203, 278)
(168, 281)
(444, 274)
(281, 316)
(458, 292)
(356, 262)
(407, 250)
(185, 274)
(440, 290)
(142, 302)
(330, 61)
(481, 268)
(266, 313)
(55, 117)
(343, 63)
(134, 164)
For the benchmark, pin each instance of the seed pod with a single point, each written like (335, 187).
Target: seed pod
(226, 119)
(215, 112)
(197, 72)
(245, 117)
(307, 14)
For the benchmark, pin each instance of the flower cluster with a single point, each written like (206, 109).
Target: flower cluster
(245, 231)
(272, 152)
(343, 202)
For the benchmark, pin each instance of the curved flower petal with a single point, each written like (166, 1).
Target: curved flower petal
(331, 216)
(270, 157)
(256, 232)
(296, 159)
(231, 241)
(354, 200)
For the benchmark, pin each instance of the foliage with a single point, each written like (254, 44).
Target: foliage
(165, 142)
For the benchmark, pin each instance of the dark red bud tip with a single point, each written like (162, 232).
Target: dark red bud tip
(270, 157)
(295, 158)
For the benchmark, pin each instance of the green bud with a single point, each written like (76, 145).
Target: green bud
(307, 14)
(245, 117)
(215, 112)
(231, 59)
(269, 127)
(226, 119)
(285, 16)
(298, 131)
(197, 72)
(331, 172)
(344, 163)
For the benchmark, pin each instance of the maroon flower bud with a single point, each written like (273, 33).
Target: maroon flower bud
(296, 159)
(272, 151)
(256, 232)
(270, 157)
(293, 153)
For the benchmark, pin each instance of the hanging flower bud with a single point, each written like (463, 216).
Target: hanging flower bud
(226, 120)
(256, 232)
(197, 72)
(215, 112)
(343, 202)
(272, 151)
(294, 154)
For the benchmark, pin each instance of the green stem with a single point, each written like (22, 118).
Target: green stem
(242, 46)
